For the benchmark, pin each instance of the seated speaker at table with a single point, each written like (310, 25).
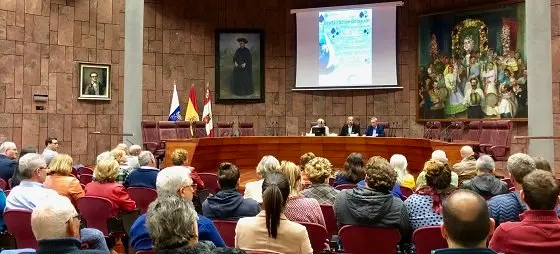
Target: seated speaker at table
(350, 128)
(374, 129)
(320, 124)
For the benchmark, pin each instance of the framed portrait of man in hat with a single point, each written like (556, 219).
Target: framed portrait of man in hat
(239, 66)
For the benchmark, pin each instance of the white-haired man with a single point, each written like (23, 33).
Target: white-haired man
(8, 160)
(31, 193)
(320, 123)
(440, 156)
(134, 151)
(175, 182)
(146, 174)
(466, 169)
(56, 226)
(486, 184)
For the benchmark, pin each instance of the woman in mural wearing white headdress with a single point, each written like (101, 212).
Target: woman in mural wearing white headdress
(455, 101)
(490, 89)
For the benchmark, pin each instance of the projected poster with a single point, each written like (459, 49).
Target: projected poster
(345, 47)
(472, 65)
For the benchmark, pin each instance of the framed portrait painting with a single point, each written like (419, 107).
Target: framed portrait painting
(239, 66)
(95, 81)
(472, 64)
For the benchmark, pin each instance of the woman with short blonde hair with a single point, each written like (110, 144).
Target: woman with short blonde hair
(319, 170)
(123, 169)
(104, 186)
(59, 178)
(299, 208)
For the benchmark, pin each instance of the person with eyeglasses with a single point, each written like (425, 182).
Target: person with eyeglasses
(31, 194)
(8, 160)
(51, 147)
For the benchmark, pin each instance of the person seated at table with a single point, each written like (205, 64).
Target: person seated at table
(438, 155)
(105, 186)
(270, 230)
(173, 226)
(466, 169)
(59, 178)
(374, 130)
(486, 183)
(466, 224)
(299, 208)
(180, 160)
(350, 128)
(228, 203)
(144, 176)
(373, 204)
(253, 189)
(320, 123)
(353, 171)
(319, 170)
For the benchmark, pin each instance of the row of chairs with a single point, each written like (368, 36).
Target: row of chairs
(494, 137)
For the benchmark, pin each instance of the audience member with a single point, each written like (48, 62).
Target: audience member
(51, 147)
(424, 207)
(104, 156)
(319, 170)
(173, 182)
(373, 204)
(121, 157)
(56, 226)
(31, 193)
(539, 228)
(146, 174)
(486, 183)
(466, 224)
(134, 151)
(8, 163)
(2, 207)
(374, 130)
(466, 169)
(172, 224)
(299, 208)
(254, 189)
(122, 146)
(399, 164)
(59, 178)
(180, 160)
(228, 203)
(350, 128)
(353, 171)
(16, 177)
(507, 207)
(303, 160)
(105, 186)
(270, 230)
(438, 155)
(542, 164)
(320, 123)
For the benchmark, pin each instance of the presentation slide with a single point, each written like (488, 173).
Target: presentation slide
(345, 44)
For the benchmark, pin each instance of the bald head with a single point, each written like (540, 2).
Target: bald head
(466, 222)
(466, 151)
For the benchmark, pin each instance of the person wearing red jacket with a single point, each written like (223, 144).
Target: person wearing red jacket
(180, 159)
(539, 228)
(104, 186)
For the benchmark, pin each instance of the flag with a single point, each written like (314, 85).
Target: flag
(192, 108)
(174, 110)
(207, 113)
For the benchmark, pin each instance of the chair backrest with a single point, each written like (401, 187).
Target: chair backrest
(455, 131)
(487, 132)
(3, 184)
(508, 182)
(227, 230)
(246, 129)
(360, 240)
(427, 239)
(199, 129)
(387, 126)
(85, 170)
(210, 182)
(19, 224)
(406, 192)
(95, 211)
(317, 235)
(142, 196)
(473, 131)
(86, 178)
(345, 186)
(224, 129)
(150, 132)
(183, 129)
(167, 130)
(330, 219)
(432, 130)
(503, 133)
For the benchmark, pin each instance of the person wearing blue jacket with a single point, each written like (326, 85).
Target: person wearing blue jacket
(171, 182)
(374, 129)
(146, 175)
(228, 203)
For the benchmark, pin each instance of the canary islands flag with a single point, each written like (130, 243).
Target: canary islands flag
(192, 108)
(174, 110)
